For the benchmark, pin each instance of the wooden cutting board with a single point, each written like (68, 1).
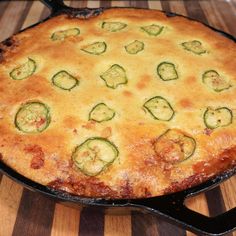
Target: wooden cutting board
(25, 213)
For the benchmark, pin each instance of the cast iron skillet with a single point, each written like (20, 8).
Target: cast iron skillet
(171, 207)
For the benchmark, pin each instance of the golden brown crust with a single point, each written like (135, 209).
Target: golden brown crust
(138, 171)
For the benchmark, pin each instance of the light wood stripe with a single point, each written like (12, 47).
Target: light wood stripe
(119, 3)
(66, 221)
(93, 4)
(11, 14)
(117, 225)
(10, 195)
(34, 14)
(155, 5)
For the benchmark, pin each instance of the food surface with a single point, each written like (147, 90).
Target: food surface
(127, 104)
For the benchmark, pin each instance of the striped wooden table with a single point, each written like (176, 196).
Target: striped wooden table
(24, 213)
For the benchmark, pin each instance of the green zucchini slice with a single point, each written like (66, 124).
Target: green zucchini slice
(159, 108)
(167, 71)
(194, 46)
(23, 71)
(174, 146)
(114, 76)
(214, 81)
(64, 80)
(220, 117)
(113, 26)
(62, 34)
(32, 117)
(153, 30)
(94, 155)
(101, 112)
(96, 48)
(134, 47)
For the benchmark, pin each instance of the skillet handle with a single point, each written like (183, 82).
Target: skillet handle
(175, 211)
(55, 5)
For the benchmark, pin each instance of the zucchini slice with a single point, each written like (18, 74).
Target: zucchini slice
(153, 30)
(114, 76)
(23, 71)
(167, 71)
(62, 34)
(159, 108)
(113, 26)
(214, 81)
(64, 80)
(94, 155)
(174, 146)
(134, 47)
(194, 46)
(101, 112)
(96, 48)
(32, 117)
(220, 117)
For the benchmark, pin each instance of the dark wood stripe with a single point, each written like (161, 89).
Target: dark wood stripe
(215, 202)
(140, 4)
(3, 7)
(165, 6)
(91, 222)
(23, 16)
(228, 15)
(35, 215)
(195, 11)
(165, 229)
(144, 225)
(105, 3)
(1, 177)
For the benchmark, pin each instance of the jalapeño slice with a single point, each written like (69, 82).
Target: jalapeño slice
(214, 81)
(159, 108)
(214, 118)
(167, 71)
(64, 80)
(194, 46)
(153, 30)
(23, 71)
(174, 146)
(114, 76)
(32, 117)
(62, 34)
(101, 112)
(134, 47)
(113, 26)
(96, 48)
(94, 155)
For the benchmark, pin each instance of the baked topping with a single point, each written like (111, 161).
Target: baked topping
(96, 48)
(159, 108)
(24, 71)
(134, 47)
(101, 112)
(194, 46)
(32, 117)
(94, 155)
(62, 34)
(214, 81)
(113, 26)
(167, 71)
(64, 80)
(219, 117)
(153, 30)
(114, 76)
(174, 146)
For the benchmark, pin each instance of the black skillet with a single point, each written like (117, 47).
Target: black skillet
(171, 207)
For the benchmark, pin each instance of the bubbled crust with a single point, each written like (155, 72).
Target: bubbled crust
(137, 172)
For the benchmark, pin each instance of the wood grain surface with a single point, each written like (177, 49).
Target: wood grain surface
(25, 213)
